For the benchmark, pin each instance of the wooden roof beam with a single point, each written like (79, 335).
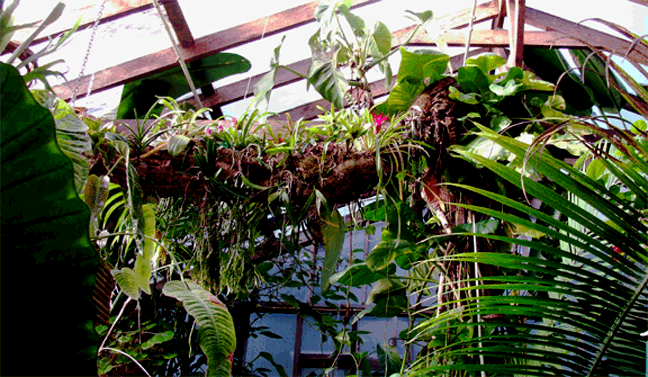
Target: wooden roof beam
(500, 38)
(483, 12)
(178, 22)
(204, 46)
(516, 10)
(586, 34)
(498, 23)
(236, 91)
(115, 10)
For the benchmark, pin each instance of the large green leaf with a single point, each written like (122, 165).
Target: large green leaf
(324, 74)
(473, 80)
(421, 67)
(333, 232)
(140, 95)
(486, 62)
(360, 274)
(388, 295)
(215, 325)
(71, 135)
(46, 251)
(417, 70)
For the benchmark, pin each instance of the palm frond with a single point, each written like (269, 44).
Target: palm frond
(575, 310)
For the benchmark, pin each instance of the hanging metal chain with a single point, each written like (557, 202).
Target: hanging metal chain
(87, 55)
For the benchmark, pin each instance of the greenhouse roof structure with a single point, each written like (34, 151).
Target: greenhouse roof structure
(130, 43)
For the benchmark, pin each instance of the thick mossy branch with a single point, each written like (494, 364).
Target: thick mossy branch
(339, 173)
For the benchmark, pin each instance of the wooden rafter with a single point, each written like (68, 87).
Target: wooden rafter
(237, 91)
(516, 11)
(204, 46)
(586, 34)
(498, 23)
(179, 23)
(114, 10)
(483, 12)
(500, 38)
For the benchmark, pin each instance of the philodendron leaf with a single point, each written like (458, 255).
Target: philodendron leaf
(144, 262)
(472, 79)
(157, 339)
(215, 325)
(126, 280)
(381, 38)
(509, 89)
(486, 62)
(360, 274)
(417, 67)
(469, 98)
(400, 98)
(389, 248)
(263, 87)
(329, 82)
(357, 24)
(389, 296)
(333, 232)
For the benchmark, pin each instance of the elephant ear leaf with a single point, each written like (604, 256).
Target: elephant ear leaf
(215, 325)
(44, 234)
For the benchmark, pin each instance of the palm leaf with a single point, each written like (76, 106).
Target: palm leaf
(562, 312)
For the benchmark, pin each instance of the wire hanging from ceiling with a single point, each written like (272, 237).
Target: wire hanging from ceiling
(247, 88)
(183, 65)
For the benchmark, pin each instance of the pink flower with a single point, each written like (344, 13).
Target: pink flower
(208, 131)
(379, 119)
(220, 128)
(616, 249)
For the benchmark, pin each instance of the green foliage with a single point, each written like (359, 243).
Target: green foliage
(215, 325)
(138, 96)
(143, 341)
(332, 49)
(71, 135)
(7, 29)
(417, 71)
(553, 316)
(333, 232)
(44, 233)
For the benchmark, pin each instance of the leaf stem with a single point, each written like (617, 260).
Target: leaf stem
(127, 355)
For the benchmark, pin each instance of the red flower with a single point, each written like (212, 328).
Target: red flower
(379, 119)
(616, 249)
